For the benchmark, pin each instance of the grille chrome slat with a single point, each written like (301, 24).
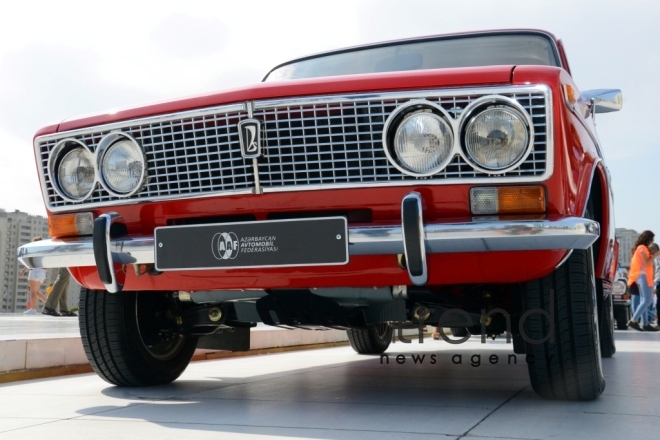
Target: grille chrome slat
(309, 143)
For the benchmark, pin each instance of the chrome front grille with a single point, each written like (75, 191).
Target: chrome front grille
(185, 156)
(331, 143)
(308, 143)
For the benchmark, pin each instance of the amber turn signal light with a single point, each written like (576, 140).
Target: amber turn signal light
(571, 95)
(508, 200)
(66, 225)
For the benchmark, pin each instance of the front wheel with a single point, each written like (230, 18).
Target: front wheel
(130, 338)
(567, 366)
(372, 340)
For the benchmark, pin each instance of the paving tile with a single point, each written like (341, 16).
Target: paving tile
(134, 430)
(516, 423)
(308, 391)
(92, 385)
(7, 425)
(381, 418)
(337, 394)
(606, 404)
(12, 355)
(60, 407)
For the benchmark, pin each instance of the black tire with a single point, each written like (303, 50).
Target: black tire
(372, 340)
(518, 344)
(114, 328)
(459, 332)
(606, 328)
(622, 316)
(569, 368)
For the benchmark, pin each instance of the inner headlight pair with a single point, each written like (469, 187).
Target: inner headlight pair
(495, 136)
(119, 161)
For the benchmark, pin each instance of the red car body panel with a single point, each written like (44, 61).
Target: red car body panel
(576, 163)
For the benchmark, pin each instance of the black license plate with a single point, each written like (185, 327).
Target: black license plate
(300, 242)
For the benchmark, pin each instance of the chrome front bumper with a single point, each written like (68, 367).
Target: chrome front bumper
(567, 233)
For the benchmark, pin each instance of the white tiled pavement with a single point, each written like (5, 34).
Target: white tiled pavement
(335, 394)
(41, 341)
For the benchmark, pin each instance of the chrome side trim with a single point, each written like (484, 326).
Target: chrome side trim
(567, 233)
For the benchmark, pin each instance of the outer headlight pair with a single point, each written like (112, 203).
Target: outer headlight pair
(495, 136)
(119, 158)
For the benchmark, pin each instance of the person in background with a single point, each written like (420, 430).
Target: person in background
(636, 299)
(35, 278)
(656, 291)
(58, 295)
(641, 273)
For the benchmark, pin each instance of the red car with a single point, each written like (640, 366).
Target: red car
(454, 180)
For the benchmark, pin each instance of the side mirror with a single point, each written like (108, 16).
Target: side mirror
(604, 100)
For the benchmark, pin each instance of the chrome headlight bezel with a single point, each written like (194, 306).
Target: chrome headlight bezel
(484, 104)
(104, 147)
(61, 149)
(399, 117)
(619, 287)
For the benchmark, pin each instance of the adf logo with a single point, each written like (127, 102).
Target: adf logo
(225, 246)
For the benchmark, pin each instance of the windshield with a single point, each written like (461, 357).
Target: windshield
(463, 51)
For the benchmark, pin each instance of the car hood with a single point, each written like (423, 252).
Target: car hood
(472, 76)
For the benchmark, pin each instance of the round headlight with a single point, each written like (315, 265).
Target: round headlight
(75, 174)
(619, 287)
(497, 138)
(423, 142)
(122, 167)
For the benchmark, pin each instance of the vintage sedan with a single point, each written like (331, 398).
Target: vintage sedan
(455, 180)
(621, 299)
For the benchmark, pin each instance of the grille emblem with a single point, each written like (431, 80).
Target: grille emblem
(248, 133)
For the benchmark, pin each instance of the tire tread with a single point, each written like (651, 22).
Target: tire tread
(573, 372)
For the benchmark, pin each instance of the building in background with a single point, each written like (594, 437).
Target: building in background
(16, 229)
(627, 239)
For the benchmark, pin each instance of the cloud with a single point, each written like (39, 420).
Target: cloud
(184, 36)
(42, 84)
(19, 180)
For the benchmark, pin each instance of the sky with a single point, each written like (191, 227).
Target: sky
(63, 59)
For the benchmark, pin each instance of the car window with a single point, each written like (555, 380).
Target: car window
(464, 51)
